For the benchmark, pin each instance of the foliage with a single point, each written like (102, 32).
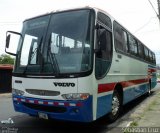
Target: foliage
(6, 59)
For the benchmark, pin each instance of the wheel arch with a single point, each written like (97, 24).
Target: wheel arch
(118, 89)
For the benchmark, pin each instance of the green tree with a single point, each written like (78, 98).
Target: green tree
(6, 59)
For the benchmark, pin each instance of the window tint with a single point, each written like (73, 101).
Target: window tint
(105, 42)
(133, 45)
(154, 59)
(104, 19)
(120, 38)
(104, 55)
(125, 42)
(150, 56)
(146, 54)
(140, 50)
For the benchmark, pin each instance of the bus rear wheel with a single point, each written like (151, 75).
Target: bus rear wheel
(149, 89)
(116, 106)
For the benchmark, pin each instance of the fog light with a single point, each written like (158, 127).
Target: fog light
(17, 92)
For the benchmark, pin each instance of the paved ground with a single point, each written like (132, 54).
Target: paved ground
(6, 106)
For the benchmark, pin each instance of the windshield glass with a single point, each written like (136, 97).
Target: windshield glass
(29, 57)
(59, 43)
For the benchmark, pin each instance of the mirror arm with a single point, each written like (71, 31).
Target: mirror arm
(97, 48)
(10, 53)
(15, 33)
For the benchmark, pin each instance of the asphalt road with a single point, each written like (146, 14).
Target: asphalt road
(27, 124)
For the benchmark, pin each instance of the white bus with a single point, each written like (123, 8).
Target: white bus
(78, 65)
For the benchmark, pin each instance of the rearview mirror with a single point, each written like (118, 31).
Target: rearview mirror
(8, 40)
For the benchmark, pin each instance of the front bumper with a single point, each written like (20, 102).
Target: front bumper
(55, 109)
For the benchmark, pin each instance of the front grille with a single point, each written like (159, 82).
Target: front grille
(43, 92)
(52, 109)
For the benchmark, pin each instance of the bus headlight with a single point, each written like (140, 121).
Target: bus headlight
(76, 96)
(17, 92)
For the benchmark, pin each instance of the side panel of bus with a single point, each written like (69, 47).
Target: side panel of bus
(130, 70)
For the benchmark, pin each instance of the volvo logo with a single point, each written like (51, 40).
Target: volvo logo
(63, 84)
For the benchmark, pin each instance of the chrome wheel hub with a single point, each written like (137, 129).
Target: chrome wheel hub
(115, 105)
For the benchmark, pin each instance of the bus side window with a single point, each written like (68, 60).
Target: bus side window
(146, 54)
(105, 47)
(133, 45)
(140, 50)
(154, 59)
(104, 55)
(150, 56)
(120, 38)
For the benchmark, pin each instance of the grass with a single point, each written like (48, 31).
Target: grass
(134, 124)
(150, 107)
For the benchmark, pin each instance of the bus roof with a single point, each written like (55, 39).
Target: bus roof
(56, 11)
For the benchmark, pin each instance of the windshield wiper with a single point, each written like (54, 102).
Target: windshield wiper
(34, 53)
(53, 58)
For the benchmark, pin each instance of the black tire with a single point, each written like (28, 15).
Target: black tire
(116, 106)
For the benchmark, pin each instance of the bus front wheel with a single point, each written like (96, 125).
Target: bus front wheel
(116, 106)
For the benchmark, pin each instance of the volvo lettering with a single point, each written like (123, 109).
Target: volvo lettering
(64, 84)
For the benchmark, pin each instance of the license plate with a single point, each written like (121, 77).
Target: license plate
(42, 115)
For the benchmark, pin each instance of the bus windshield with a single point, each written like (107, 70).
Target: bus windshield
(57, 43)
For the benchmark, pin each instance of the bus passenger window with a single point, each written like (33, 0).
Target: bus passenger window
(140, 50)
(120, 38)
(133, 45)
(146, 52)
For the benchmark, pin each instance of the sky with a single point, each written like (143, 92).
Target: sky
(137, 16)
